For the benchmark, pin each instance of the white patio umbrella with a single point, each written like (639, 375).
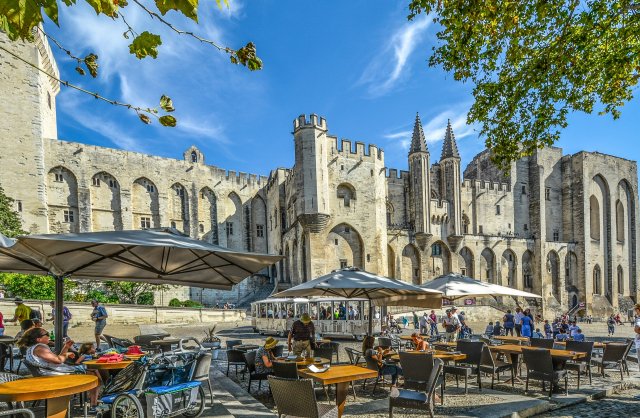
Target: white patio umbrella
(355, 283)
(455, 286)
(163, 256)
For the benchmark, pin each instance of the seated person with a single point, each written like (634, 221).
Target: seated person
(419, 342)
(378, 356)
(537, 334)
(578, 336)
(497, 329)
(562, 335)
(265, 357)
(39, 355)
(25, 325)
(86, 352)
(489, 330)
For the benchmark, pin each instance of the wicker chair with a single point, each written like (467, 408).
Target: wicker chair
(121, 343)
(277, 350)
(385, 342)
(250, 359)
(355, 357)
(630, 344)
(297, 398)
(613, 356)
(494, 367)
(233, 343)
(422, 400)
(9, 377)
(540, 367)
(285, 370)
(325, 351)
(541, 343)
(583, 364)
(21, 411)
(235, 358)
(336, 349)
(468, 366)
(416, 369)
(202, 369)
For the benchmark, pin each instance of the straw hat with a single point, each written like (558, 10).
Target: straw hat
(305, 319)
(270, 343)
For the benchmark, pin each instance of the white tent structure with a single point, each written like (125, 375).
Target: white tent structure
(455, 286)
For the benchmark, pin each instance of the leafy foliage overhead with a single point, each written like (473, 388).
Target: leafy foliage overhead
(532, 62)
(10, 223)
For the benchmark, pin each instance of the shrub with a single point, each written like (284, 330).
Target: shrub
(175, 302)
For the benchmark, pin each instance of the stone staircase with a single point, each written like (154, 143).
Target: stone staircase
(262, 292)
(231, 400)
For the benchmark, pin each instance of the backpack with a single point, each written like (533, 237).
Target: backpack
(35, 314)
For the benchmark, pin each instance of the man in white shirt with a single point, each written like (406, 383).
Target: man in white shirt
(573, 328)
(636, 311)
(517, 320)
(451, 326)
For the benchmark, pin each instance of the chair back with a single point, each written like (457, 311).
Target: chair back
(146, 339)
(235, 356)
(233, 343)
(372, 363)
(108, 339)
(9, 377)
(436, 372)
(614, 352)
(486, 358)
(286, 370)
(487, 341)
(120, 342)
(416, 369)
(324, 352)
(202, 367)
(473, 350)
(294, 397)
(250, 359)
(277, 350)
(352, 354)
(385, 342)
(581, 347)
(630, 344)
(335, 346)
(538, 360)
(541, 342)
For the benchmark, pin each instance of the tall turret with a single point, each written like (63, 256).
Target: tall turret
(450, 180)
(310, 171)
(420, 182)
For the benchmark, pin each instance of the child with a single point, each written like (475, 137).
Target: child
(562, 335)
(537, 334)
(489, 329)
(86, 352)
(578, 336)
(497, 329)
(548, 332)
(419, 342)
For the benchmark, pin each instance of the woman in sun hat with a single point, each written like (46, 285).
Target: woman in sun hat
(265, 357)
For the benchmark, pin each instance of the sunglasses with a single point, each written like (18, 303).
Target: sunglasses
(46, 334)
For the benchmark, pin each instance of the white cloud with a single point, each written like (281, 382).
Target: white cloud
(390, 64)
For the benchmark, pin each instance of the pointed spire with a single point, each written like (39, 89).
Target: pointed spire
(449, 147)
(418, 142)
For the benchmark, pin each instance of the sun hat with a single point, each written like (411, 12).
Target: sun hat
(270, 343)
(17, 300)
(305, 319)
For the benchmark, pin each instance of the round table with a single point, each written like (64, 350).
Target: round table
(95, 365)
(134, 356)
(246, 347)
(56, 389)
(304, 362)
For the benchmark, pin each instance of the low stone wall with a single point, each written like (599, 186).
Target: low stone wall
(133, 314)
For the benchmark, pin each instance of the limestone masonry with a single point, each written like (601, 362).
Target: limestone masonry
(563, 226)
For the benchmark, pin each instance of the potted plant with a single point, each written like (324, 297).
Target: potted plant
(211, 340)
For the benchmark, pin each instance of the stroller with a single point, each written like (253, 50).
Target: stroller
(157, 386)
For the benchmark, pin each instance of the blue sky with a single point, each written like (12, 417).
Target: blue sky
(358, 63)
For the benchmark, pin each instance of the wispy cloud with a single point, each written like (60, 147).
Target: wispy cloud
(390, 64)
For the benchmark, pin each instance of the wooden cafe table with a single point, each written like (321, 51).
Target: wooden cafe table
(512, 339)
(57, 390)
(442, 355)
(340, 376)
(116, 365)
(595, 344)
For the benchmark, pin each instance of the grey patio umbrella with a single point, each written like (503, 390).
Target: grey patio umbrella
(355, 283)
(455, 286)
(162, 256)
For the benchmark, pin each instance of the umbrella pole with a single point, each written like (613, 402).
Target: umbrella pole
(371, 311)
(58, 326)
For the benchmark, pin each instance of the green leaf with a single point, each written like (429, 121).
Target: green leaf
(107, 7)
(247, 57)
(80, 71)
(189, 8)
(144, 45)
(51, 9)
(19, 17)
(166, 104)
(144, 118)
(91, 61)
(168, 120)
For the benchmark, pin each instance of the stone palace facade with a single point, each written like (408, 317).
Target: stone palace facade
(563, 226)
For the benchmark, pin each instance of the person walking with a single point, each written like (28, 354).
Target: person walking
(1, 327)
(433, 323)
(66, 317)
(548, 332)
(636, 323)
(424, 320)
(99, 316)
(508, 323)
(517, 320)
(22, 311)
(451, 326)
(301, 336)
(527, 324)
(416, 322)
(611, 326)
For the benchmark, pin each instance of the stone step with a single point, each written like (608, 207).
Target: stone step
(233, 401)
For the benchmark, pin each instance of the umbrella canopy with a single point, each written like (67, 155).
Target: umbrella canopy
(455, 286)
(162, 256)
(355, 283)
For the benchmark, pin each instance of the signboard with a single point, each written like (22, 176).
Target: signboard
(470, 301)
(446, 302)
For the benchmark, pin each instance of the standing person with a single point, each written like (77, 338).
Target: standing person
(508, 321)
(464, 330)
(1, 326)
(611, 326)
(301, 336)
(488, 331)
(99, 315)
(416, 323)
(548, 332)
(517, 321)
(434, 323)
(636, 324)
(451, 326)
(423, 323)
(66, 317)
(526, 324)
(21, 313)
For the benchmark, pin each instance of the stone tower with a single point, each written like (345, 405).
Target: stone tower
(419, 181)
(450, 183)
(29, 114)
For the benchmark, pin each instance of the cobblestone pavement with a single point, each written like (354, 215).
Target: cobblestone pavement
(623, 404)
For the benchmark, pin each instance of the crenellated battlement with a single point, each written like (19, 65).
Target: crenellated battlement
(314, 121)
(489, 186)
(361, 151)
(393, 174)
